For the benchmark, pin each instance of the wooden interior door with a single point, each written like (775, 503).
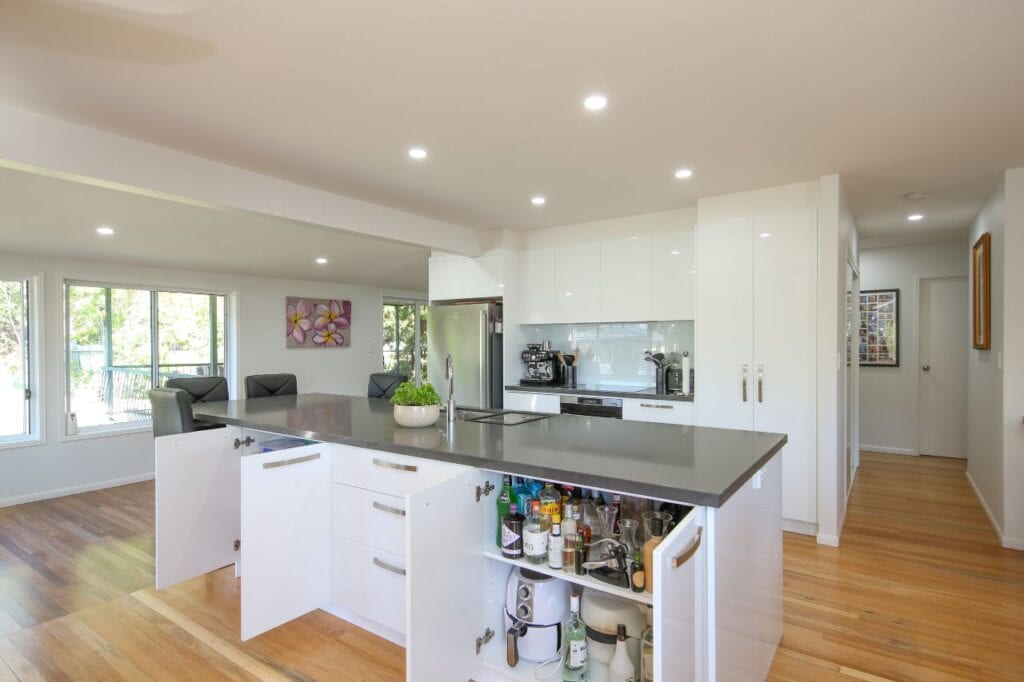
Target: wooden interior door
(197, 504)
(942, 370)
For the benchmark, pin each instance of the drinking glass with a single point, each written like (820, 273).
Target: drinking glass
(606, 513)
(627, 534)
(649, 516)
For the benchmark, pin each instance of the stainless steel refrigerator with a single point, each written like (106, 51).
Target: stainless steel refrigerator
(471, 333)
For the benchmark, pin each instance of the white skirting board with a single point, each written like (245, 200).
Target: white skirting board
(887, 450)
(74, 490)
(366, 624)
(1007, 542)
(802, 527)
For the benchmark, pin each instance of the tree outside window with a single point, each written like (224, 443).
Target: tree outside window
(405, 339)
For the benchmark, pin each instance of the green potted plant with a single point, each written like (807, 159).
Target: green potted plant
(416, 405)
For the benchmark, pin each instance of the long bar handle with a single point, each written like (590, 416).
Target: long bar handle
(485, 360)
(760, 383)
(688, 553)
(657, 407)
(746, 371)
(395, 465)
(386, 508)
(388, 567)
(289, 462)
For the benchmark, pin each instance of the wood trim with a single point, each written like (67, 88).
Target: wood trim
(981, 293)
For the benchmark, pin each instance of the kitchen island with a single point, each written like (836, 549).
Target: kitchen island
(322, 501)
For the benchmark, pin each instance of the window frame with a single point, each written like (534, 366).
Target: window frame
(36, 434)
(418, 304)
(100, 430)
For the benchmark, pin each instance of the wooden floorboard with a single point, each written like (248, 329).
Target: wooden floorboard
(919, 590)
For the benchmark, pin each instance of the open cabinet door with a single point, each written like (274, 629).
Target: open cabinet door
(197, 504)
(678, 618)
(445, 580)
(286, 535)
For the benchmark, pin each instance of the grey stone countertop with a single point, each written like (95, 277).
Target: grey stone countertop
(688, 464)
(603, 391)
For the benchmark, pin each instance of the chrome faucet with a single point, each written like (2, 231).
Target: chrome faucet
(449, 374)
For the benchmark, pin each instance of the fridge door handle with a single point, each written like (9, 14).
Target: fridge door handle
(746, 370)
(760, 383)
(485, 360)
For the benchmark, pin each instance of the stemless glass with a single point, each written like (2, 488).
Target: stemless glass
(649, 516)
(627, 534)
(606, 513)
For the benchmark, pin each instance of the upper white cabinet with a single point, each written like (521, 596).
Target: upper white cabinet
(757, 338)
(673, 276)
(626, 280)
(537, 287)
(458, 277)
(577, 283)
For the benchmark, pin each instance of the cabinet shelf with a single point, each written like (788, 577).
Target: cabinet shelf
(583, 580)
(494, 659)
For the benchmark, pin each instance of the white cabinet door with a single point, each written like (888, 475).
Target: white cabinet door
(537, 287)
(578, 283)
(546, 403)
(725, 331)
(286, 535)
(673, 276)
(445, 275)
(679, 568)
(626, 280)
(660, 411)
(197, 503)
(445, 580)
(784, 370)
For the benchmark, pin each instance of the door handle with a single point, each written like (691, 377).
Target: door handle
(926, 367)
(655, 406)
(760, 383)
(394, 465)
(289, 462)
(386, 508)
(688, 553)
(388, 567)
(745, 371)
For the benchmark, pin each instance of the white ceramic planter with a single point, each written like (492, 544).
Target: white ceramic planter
(416, 415)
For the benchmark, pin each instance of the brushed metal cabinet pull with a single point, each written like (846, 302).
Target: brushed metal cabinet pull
(386, 508)
(289, 462)
(658, 407)
(688, 553)
(388, 567)
(760, 383)
(395, 465)
(745, 371)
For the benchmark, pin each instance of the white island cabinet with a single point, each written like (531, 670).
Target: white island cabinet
(405, 547)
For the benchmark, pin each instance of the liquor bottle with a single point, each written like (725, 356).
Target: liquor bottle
(647, 649)
(522, 495)
(621, 668)
(568, 520)
(637, 572)
(569, 553)
(657, 532)
(555, 543)
(512, 533)
(534, 485)
(575, 667)
(580, 556)
(505, 499)
(535, 536)
(550, 501)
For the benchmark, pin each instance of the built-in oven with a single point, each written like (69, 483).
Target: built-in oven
(592, 406)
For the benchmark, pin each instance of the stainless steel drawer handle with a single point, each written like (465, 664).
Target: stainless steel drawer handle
(388, 567)
(688, 553)
(394, 465)
(658, 407)
(289, 462)
(744, 391)
(390, 510)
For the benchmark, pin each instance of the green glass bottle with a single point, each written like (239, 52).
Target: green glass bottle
(505, 498)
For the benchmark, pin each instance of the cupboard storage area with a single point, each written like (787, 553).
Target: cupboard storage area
(405, 547)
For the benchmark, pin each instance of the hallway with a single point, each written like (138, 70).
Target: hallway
(919, 590)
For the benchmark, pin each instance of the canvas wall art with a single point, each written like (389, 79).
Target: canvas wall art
(317, 322)
(879, 328)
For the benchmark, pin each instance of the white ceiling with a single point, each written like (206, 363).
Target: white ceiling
(895, 96)
(55, 217)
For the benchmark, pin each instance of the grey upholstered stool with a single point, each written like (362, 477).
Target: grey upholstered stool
(266, 385)
(201, 389)
(172, 411)
(383, 384)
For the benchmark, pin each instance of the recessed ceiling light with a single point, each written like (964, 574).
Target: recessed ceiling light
(538, 201)
(568, 293)
(418, 153)
(595, 102)
(914, 217)
(105, 231)
(634, 237)
(673, 253)
(765, 235)
(321, 261)
(683, 173)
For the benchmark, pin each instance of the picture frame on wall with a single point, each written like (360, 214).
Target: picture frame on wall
(981, 293)
(878, 336)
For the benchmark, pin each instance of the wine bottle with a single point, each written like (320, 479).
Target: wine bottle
(621, 668)
(575, 667)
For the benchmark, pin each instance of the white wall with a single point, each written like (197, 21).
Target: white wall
(614, 228)
(888, 395)
(61, 466)
(1013, 361)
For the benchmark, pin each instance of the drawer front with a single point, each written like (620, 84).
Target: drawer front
(388, 473)
(369, 517)
(369, 582)
(546, 403)
(661, 411)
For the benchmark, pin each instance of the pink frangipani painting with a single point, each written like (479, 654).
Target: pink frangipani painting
(317, 322)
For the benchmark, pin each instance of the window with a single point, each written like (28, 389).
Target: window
(122, 341)
(405, 339)
(16, 395)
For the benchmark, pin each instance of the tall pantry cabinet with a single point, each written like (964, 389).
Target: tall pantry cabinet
(756, 338)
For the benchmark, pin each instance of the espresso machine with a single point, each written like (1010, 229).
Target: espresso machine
(542, 365)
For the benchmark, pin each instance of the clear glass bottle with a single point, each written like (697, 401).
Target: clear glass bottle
(574, 669)
(535, 535)
(647, 649)
(550, 501)
(555, 543)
